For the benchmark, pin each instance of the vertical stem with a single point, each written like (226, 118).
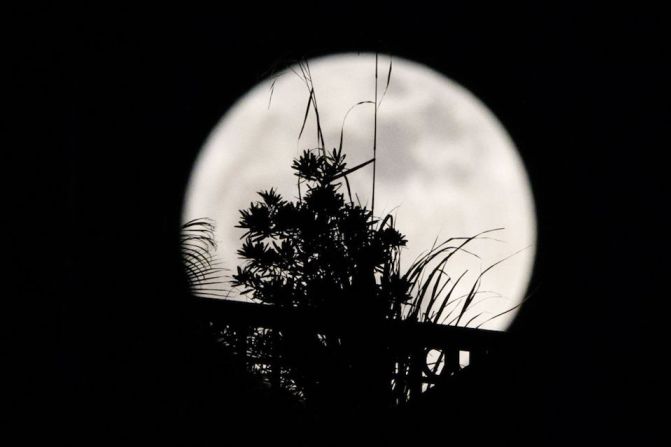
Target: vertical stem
(417, 362)
(372, 206)
(275, 362)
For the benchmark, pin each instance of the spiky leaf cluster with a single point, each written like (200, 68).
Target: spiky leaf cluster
(323, 249)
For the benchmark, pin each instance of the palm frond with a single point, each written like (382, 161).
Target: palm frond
(203, 272)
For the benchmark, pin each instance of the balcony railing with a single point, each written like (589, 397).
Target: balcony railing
(426, 353)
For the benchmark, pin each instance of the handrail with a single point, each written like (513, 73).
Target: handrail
(429, 335)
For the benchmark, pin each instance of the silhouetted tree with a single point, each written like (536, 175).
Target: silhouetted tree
(321, 250)
(330, 256)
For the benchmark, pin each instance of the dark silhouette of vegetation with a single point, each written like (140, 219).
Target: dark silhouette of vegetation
(322, 249)
(203, 272)
(332, 258)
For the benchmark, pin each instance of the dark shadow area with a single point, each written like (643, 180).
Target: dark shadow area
(111, 108)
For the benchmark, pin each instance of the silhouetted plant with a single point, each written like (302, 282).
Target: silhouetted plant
(324, 254)
(331, 257)
(320, 250)
(203, 271)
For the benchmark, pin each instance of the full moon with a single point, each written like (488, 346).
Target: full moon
(445, 167)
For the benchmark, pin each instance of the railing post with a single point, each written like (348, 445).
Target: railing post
(476, 356)
(451, 359)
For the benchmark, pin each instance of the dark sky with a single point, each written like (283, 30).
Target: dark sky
(110, 106)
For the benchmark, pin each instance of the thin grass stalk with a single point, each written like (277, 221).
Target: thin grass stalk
(372, 203)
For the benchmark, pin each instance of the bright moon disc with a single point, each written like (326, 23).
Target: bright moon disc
(445, 167)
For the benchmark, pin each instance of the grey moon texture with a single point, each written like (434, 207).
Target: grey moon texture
(446, 167)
